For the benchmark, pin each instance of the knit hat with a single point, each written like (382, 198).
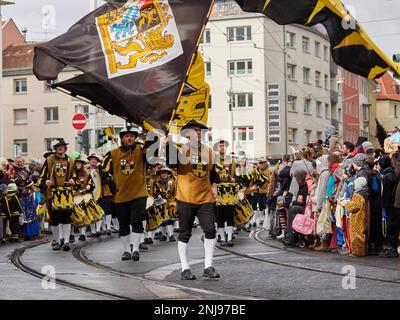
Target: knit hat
(360, 183)
(384, 161)
(368, 147)
(359, 160)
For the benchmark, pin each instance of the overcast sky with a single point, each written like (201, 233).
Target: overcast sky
(381, 18)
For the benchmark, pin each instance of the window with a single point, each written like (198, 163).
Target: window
(306, 45)
(317, 78)
(21, 146)
(240, 67)
(206, 38)
(307, 136)
(317, 49)
(81, 108)
(307, 106)
(291, 71)
(20, 116)
(239, 33)
(20, 86)
(48, 142)
(243, 134)
(325, 52)
(327, 111)
(51, 114)
(366, 112)
(274, 120)
(326, 82)
(292, 101)
(306, 75)
(46, 86)
(290, 39)
(208, 69)
(243, 100)
(274, 136)
(319, 109)
(273, 106)
(273, 90)
(292, 133)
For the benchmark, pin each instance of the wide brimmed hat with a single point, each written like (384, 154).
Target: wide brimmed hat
(128, 130)
(194, 123)
(47, 153)
(219, 141)
(59, 142)
(80, 160)
(165, 169)
(95, 156)
(12, 187)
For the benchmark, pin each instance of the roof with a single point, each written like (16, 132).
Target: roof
(388, 88)
(19, 56)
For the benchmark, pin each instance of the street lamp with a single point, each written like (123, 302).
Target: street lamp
(2, 3)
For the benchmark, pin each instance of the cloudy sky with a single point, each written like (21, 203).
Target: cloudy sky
(381, 18)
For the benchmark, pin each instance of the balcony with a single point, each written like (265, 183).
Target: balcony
(334, 96)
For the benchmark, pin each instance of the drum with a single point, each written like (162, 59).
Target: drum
(154, 219)
(62, 198)
(80, 216)
(172, 211)
(243, 213)
(227, 194)
(93, 208)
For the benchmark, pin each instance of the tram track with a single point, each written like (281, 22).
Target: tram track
(15, 258)
(299, 267)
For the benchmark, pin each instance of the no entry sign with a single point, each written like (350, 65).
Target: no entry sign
(79, 121)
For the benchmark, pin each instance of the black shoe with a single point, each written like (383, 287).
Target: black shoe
(177, 230)
(114, 230)
(66, 247)
(90, 234)
(236, 232)
(143, 247)
(230, 243)
(98, 234)
(57, 247)
(126, 256)
(172, 239)
(254, 224)
(135, 256)
(289, 243)
(390, 253)
(109, 232)
(103, 232)
(146, 241)
(150, 240)
(82, 237)
(210, 273)
(163, 238)
(187, 275)
(62, 242)
(54, 243)
(223, 244)
(248, 229)
(71, 238)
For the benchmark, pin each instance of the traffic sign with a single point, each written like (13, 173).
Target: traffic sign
(79, 121)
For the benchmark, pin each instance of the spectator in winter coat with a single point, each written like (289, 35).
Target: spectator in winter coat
(388, 211)
(298, 206)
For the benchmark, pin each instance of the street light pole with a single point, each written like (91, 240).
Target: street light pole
(2, 3)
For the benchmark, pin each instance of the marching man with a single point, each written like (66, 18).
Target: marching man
(196, 193)
(127, 167)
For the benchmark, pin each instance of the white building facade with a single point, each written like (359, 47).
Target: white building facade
(275, 97)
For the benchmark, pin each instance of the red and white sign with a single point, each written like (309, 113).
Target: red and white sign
(79, 121)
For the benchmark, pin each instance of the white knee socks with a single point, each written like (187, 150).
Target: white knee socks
(93, 228)
(98, 225)
(61, 232)
(209, 246)
(183, 254)
(136, 237)
(229, 231)
(170, 230)
(108, 222)
(56, 234)
(115, 223)
(83, 230)
(126, 243)
(221, 233)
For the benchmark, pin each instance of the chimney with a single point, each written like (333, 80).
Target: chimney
(24, 31)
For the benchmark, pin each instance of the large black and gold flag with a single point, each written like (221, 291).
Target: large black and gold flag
(351, 46)
(134, 56)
